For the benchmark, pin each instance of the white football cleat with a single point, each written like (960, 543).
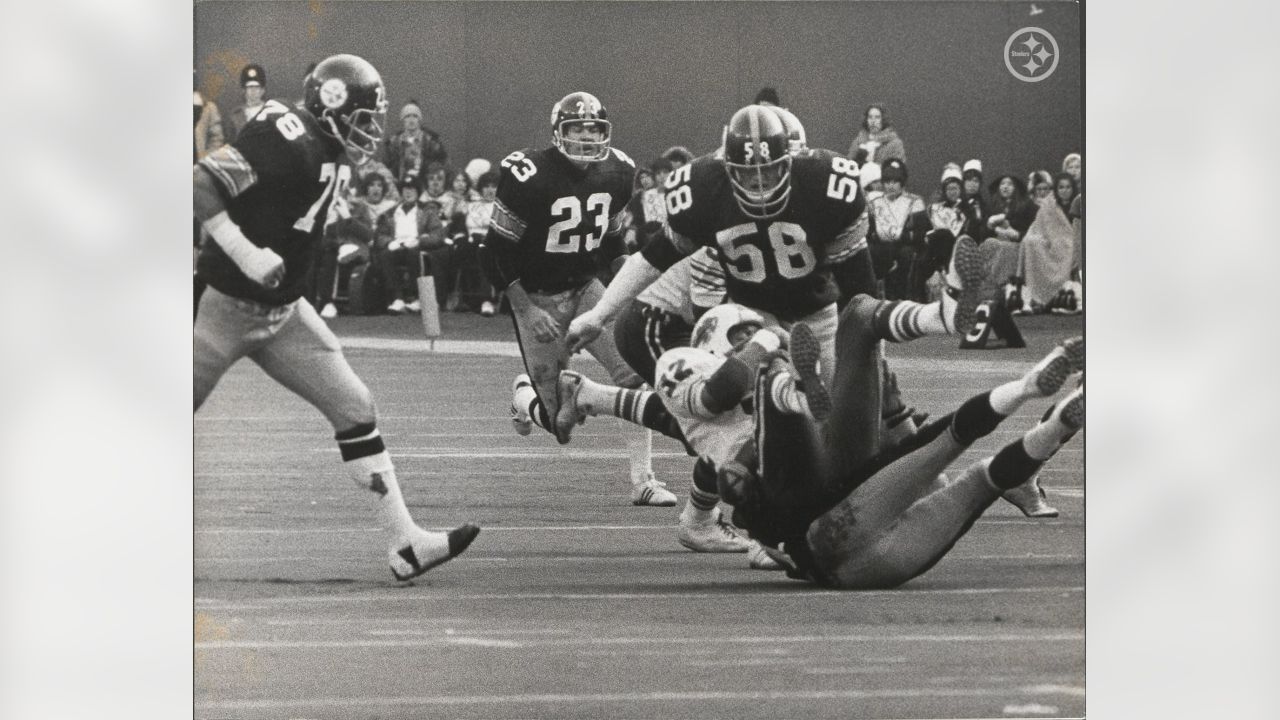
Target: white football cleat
(329, 312)
(487, 309)
(396, 307)
(713, 535)
(415, 306)
(424, 550)
(520, 415)
(651, 491)
(1029, 497)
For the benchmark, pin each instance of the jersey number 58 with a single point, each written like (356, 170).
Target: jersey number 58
(842, 184)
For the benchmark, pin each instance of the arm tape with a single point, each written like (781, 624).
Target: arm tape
(230, 238)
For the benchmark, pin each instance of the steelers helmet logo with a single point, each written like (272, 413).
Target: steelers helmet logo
(333, 93)
(1031, 54)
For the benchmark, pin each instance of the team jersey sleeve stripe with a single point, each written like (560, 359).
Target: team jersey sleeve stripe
(706, 288)
(231, 169)
(850, 241)
(506, 223)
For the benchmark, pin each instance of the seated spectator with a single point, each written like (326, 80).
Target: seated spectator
(436, 190)
(1040, 184)
(208, 126)
(253, 82)
(414, 148)
(946, 213)
(348, 239)
(1011, 214)
(1048, 249)
(471, 281)
(878, 138)
(642, 181)
(895, 236)
(402, 233)
(973, 202)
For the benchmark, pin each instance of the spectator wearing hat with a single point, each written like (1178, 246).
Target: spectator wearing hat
(898, 221)
(1011, 215)
(869, 175)
(402, 232)
(479, 213)
(1073, 165)
(414, 148)
(878, 138)
(647, 209)
(349, 237)
(253, 83)
(973, 202)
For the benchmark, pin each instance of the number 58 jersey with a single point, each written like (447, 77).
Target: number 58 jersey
(277, 180)
(781, 265)
(558, 215)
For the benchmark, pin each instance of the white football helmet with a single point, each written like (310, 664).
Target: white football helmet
(713, 330)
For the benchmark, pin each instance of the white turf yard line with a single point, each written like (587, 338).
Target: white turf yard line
(576, 699)
(442, 638)
(532, 528)
(563, 454)
(603, 558)
(794, 591)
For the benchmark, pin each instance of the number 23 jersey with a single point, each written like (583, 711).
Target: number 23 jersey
(277, 180)
(781, 265)
(559, 214)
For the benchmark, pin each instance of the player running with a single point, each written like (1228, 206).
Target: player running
(263, 200)
(558, 220)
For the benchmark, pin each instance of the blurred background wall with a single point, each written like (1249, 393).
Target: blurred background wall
(487, 72)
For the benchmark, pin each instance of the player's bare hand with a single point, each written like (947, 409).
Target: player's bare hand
(543, 325)
(583, 330)
(265, 267)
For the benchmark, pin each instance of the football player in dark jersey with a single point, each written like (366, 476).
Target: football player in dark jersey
(264, 200)
(790, 231)
(559, 218)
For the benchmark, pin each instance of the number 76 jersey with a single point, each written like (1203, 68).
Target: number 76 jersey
(558, 215)
(781, 265)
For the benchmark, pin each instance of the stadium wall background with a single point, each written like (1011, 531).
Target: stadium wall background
(487, 72)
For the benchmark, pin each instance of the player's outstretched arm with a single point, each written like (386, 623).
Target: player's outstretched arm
(261, 265)
(636, 275)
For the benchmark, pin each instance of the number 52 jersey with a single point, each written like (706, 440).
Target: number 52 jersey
(558, 215)
(277, 180)
(781, 265)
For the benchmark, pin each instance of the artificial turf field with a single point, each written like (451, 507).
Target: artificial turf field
(572, 602)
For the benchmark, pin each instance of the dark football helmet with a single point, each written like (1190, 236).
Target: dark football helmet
(345, 93)
(584, 110)
(758, 162)
(797, 141)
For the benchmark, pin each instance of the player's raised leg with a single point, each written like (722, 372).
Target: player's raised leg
(306, 358)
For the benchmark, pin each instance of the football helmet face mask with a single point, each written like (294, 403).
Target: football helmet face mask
(580, 128)
(758, 162)
(715, 330)
(797, 140)
(345, 93)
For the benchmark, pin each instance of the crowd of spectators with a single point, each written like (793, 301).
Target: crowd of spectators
(409, 214)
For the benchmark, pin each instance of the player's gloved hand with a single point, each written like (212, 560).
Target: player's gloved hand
(583, 330)
(264, 267)
(544, 325)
